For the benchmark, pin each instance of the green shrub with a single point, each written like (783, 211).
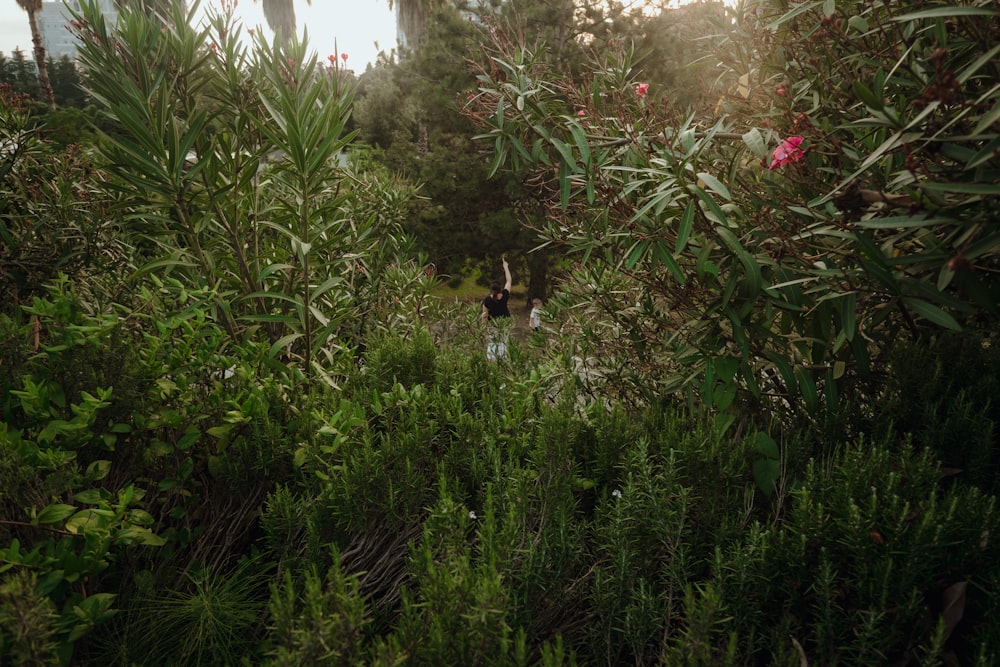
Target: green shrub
(942, 392)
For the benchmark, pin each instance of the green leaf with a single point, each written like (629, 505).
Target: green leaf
(136, 535)
(668, 259)
(964, 188)
(87, 520)
(755, 281)
(684, 231)
(849, 314)
(220, 431)
(766, 473)
(99, 469)
(55, 513)
(765, 444)
(870, 99)
(565, 152)
(636, 252)
(715, 185)
(283, 342)
(932, 313)
(582, 144)
(807, 387)
(565, 183)
(945, 12)
(858, 24)
(92, 496)
(755, 142)
(988, 57)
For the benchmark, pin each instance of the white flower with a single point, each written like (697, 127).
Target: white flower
(472, 515)
(617, 493)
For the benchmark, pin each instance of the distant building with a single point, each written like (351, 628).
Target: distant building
(53, 21)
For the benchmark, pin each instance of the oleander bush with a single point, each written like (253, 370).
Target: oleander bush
(235, 429)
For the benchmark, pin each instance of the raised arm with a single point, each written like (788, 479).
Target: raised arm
(506, 273)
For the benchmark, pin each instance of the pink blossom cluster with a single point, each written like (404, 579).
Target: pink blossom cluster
(788, 151)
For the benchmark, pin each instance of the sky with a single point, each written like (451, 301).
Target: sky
(346, 26)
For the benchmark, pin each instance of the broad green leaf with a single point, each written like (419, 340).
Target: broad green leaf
(988, 57)
(807, 388)
(635, 253)
(715, 185)
(755, 142)
(751, 268)
(582, 144)
(932, 313)
(283, 342)
(988, 189)
(870, 99)
(990, 150)
(711, 207)
(684, 230)
(136, 535)
(849, 314)
(565, 185)
(858, 24)
(668, 259)
(945, 12)
(99, 469)
(565, 152)
(763, 443)
(55, 513)
(92, 496)
(766, 473)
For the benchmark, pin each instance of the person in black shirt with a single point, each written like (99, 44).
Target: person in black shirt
(495, 305)
(495, 308)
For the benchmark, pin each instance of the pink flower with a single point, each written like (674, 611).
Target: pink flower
(581, 112)
(343, 56)
(781, 92)
(788, 151)
(641, 89)
(332, 58)
(250, 31)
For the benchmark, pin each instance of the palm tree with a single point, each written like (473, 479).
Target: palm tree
(34, 7)
(280, 17)
(410, 17)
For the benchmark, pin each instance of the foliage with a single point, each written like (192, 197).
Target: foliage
(804, 272)
(52, 219)
(323, 624)
(96, 406)
(237, 173)
(178, 486)
(446, 497)
(211, 618)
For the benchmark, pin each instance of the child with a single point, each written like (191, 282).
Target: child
(535, 317)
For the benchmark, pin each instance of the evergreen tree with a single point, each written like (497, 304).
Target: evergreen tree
(66, 83)
(19, 73)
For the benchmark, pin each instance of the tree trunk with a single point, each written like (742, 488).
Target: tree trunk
(43, 69)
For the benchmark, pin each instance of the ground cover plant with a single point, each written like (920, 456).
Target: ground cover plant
(758, 427)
